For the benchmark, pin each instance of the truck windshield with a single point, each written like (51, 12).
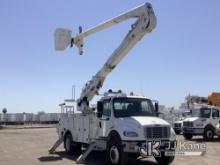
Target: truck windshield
(186, 114)
(126, 107)
(202, 112)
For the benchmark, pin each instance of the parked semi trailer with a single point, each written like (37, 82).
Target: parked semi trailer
(25, 118)
(122, 123)
(49, 118)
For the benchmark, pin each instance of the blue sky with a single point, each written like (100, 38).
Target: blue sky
(179, 57)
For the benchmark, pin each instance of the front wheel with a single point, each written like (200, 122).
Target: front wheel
(208, 134)
(164, 160)
(187, 136)
(115, 153)
(70, 146)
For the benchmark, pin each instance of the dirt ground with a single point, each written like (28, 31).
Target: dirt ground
(30, 146)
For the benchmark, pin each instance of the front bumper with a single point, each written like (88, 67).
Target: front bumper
(194, 131)
(135, 146)
(217, 132)
(177, 129)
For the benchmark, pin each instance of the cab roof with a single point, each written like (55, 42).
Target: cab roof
(123, 96)
(205, 106)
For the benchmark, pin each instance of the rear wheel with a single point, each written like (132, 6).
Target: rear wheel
(70, 146)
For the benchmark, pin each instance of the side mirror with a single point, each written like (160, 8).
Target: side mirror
(99, 109)
(156, 105)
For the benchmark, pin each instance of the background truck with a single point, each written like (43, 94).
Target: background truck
(122, 125)
(203, 121)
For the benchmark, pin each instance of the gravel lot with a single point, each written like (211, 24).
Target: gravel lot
(30, 146)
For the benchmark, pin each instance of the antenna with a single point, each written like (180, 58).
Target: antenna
(141, 88)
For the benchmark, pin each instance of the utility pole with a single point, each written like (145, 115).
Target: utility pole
(73, 92)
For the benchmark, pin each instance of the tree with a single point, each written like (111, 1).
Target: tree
(4, 110)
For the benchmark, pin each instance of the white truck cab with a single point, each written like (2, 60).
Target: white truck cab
(131, 116)
(203, 122)
(121, 125)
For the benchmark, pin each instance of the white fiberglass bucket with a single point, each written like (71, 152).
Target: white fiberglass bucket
(62, 38)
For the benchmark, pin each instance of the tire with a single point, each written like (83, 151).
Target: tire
(208, 134)
(177, 132)
(164, 160)
(133, 155)
(115, 153)
(71, 147)
(187, 136)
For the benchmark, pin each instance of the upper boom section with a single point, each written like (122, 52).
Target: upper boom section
(145, 23)
(63, 36)
(134, 13)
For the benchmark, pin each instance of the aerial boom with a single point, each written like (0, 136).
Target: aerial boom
(145, 23)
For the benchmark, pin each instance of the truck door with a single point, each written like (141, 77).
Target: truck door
(215, 117)
(105, 119)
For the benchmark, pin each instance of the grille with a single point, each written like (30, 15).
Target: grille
(177, 125)
(187, 124)
(157, 132)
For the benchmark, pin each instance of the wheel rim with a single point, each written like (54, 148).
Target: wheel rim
(114, 155)
(209, 134)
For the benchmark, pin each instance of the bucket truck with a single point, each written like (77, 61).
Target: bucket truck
(203, 119)
(122, 125)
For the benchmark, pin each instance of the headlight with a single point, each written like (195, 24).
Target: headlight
(130, 134)
(172, 134)
(199, 125)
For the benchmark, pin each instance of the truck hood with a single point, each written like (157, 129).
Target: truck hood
(192, 119)
(179, 121)
(142, 121)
